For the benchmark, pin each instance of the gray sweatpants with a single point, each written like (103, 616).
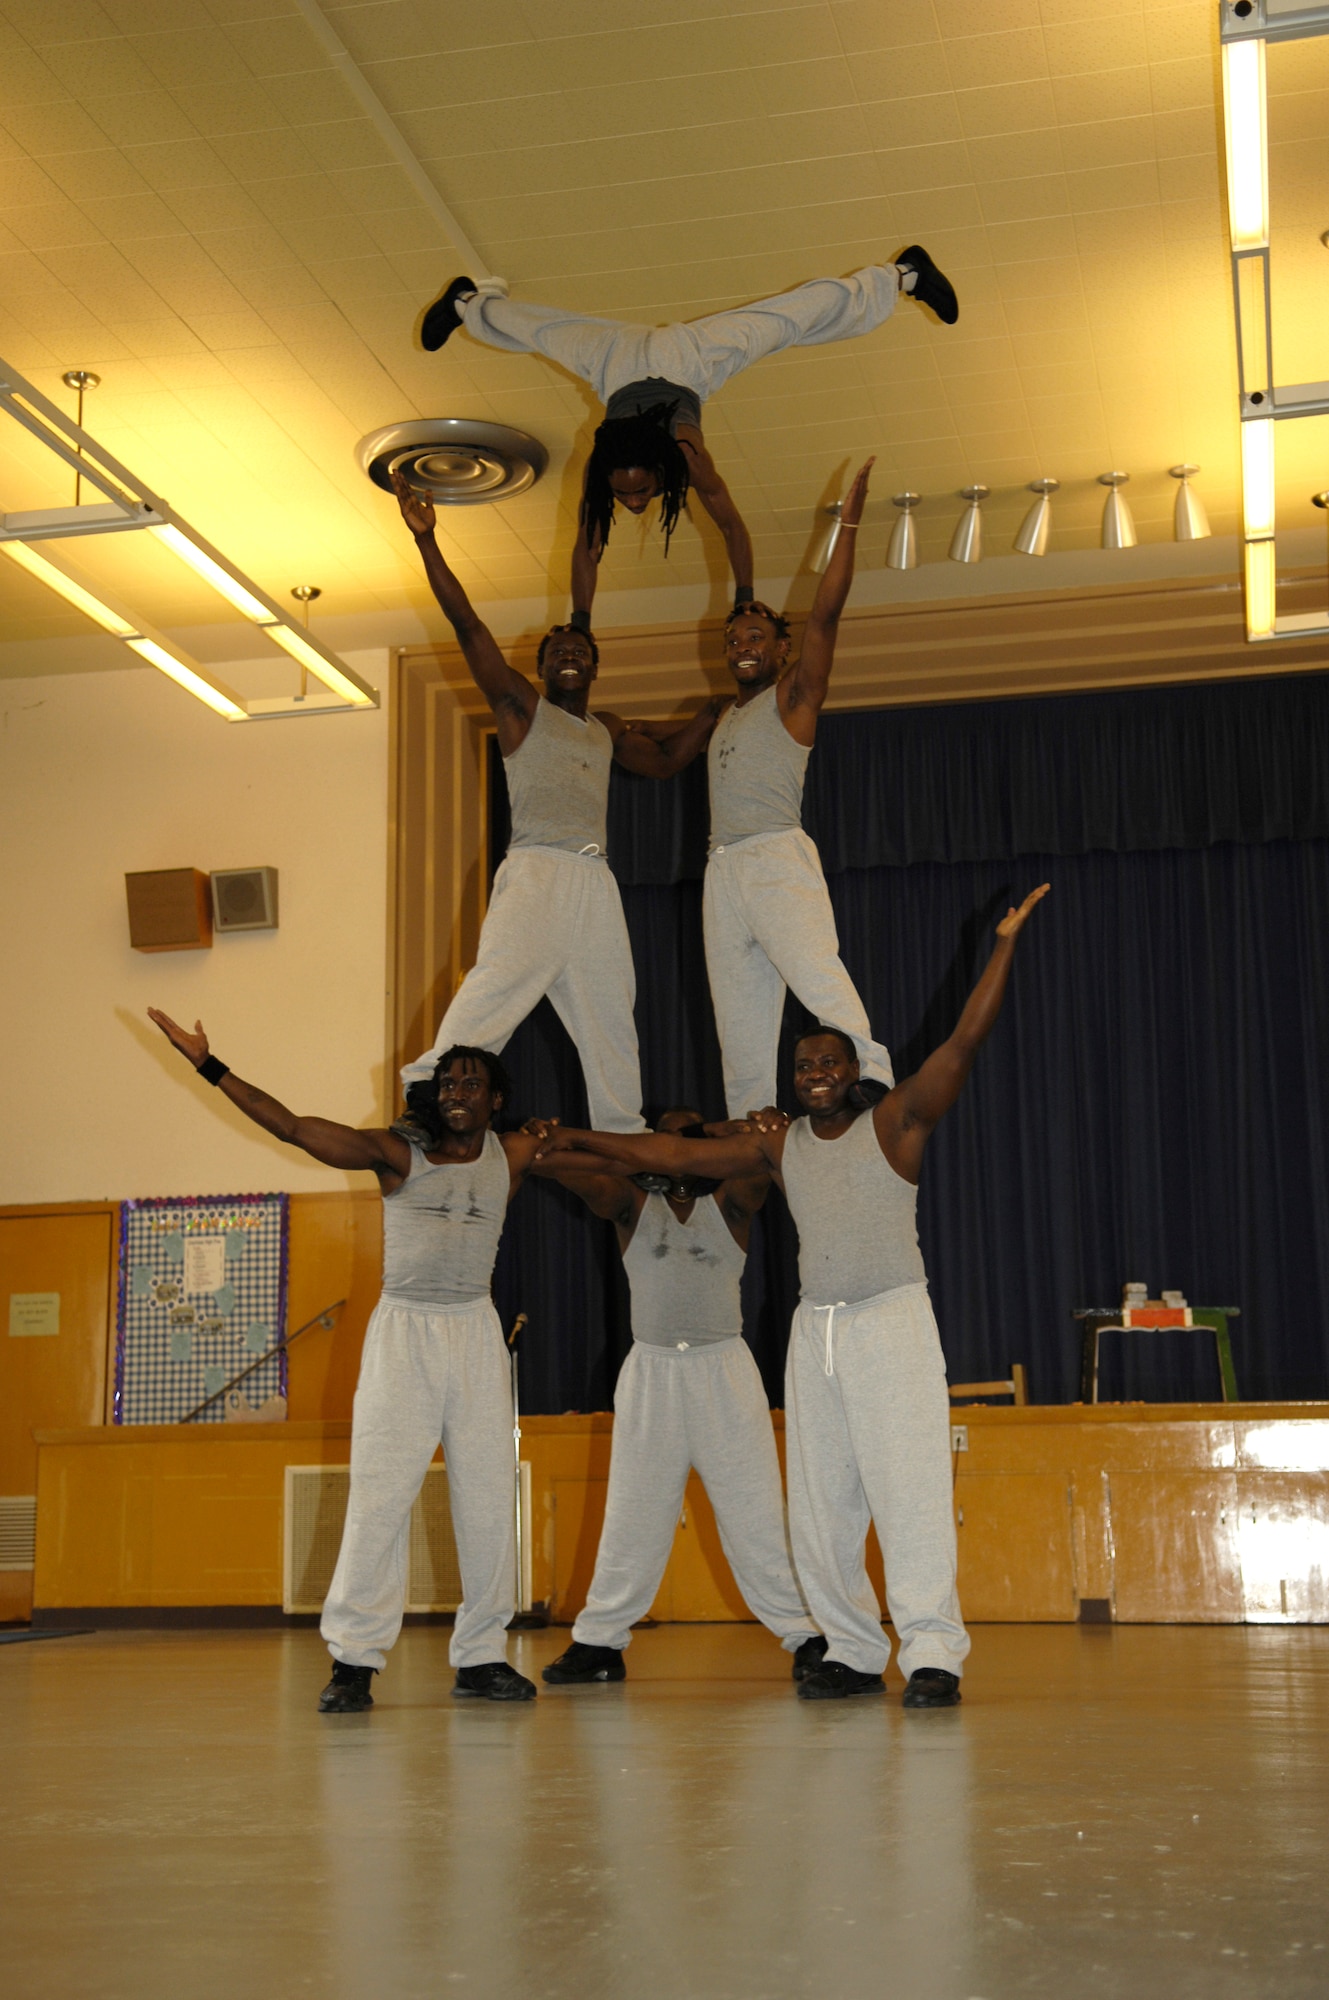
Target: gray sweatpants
(674, 1409)
(429, 1374)
(554, 925)
(867, 1432)
(768, 925)
(699, 354)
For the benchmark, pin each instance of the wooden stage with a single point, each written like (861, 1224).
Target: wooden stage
(1126, 1513)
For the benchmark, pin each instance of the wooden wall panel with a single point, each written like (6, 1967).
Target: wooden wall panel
(1150, 1509)
(336, 1252)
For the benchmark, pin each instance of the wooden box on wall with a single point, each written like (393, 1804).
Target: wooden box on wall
(170, 909)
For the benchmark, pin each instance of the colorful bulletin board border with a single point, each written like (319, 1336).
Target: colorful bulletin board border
(202, 1291)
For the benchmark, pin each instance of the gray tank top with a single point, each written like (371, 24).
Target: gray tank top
(441, 1228)
(756, 772)
(558, 781)
(684, 1276)
(648, 394)
(855, 1216)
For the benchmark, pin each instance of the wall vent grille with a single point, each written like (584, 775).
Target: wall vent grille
(316, 1497)
(18, 1530)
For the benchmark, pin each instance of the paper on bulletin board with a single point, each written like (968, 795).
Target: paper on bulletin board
(205, 1263)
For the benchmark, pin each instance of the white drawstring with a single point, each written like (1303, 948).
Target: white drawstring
(830, 1312)
(591, 847)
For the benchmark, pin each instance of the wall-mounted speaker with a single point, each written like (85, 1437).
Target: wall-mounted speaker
(244, 899)
(169, 910)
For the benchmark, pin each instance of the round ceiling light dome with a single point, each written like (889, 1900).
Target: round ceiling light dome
(457, 461)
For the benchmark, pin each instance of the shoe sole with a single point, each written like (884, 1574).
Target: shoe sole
(604, 1677)
(344, 1707)
(805, 1693)
(478, 1694)
(946, 1701)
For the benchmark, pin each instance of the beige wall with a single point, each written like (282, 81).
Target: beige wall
(101, 774)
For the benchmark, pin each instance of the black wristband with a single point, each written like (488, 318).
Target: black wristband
(696, 1130)
(580, 621)
(211, 1070)
(743, 594)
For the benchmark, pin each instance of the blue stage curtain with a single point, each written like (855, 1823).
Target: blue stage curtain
(1152, 1103)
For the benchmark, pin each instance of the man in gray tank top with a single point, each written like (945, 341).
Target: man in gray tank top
(866, 1411)
(688, 1395)
(555, 922)
(434, 1368)
(766, 914)
(653, 381)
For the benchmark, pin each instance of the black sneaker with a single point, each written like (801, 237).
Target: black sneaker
(347, 1691)
(833, 1680)
(443, 318)
(582, 1664)
(494, 1681)
(932, 1687)
(931, 286)
(809, 1656)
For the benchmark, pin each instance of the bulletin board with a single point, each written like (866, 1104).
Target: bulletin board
(202, 1292)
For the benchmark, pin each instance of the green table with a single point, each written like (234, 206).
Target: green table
(1098, 1320)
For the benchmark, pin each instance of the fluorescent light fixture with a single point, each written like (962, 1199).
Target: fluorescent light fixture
(1257, 478)
(1260, 577)
(130, 505)
(73, 593)
(213, 573)
(193, 682)
(309, 656)
(1247, 148)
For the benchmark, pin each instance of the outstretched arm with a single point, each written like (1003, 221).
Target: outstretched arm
(718, 501)
(586, 556)
(377, 1152)
(910, 1111)
(661, 749)
(508, 693)
(745, 1155)
(803, 691)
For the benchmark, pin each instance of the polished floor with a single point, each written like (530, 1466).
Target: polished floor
(1113, 1812)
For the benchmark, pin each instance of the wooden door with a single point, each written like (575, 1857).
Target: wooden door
(1013, 1531)
(56, 1270)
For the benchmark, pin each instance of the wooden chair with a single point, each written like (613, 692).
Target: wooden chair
(971, 1392)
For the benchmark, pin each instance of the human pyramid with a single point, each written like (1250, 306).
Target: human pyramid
(866, 1408)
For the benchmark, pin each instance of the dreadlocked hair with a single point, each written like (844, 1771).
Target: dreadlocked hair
(780, 622)
(422, 1120)
(645, 441)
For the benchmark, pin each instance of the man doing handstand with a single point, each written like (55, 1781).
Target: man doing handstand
(654, 380)
(866, 1411)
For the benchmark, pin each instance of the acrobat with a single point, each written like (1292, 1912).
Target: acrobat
(654, 380)
(555, 921)
(866, 1411)
(688, 1395)
(766, 913)
(434, 1367)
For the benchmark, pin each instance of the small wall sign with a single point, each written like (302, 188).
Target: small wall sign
(32, 1313)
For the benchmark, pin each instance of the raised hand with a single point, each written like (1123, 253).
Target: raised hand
(417, 509)
(540, 1128)
(851, 507)
(769, 1119)
(194, 1046)
(1014, 920)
